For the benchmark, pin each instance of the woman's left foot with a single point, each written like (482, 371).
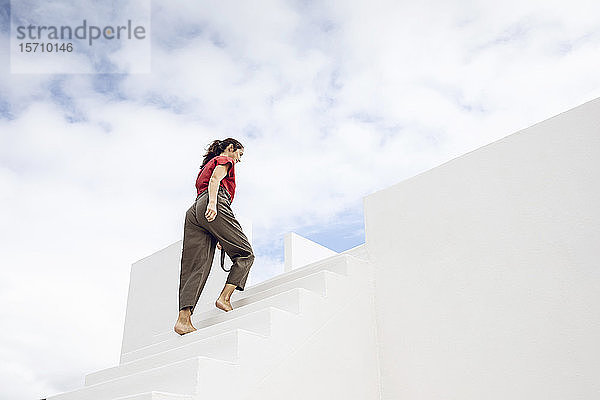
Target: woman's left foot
(183, 327)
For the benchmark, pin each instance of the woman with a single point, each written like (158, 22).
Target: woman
(208, 221)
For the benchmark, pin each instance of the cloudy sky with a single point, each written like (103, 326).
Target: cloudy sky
(332, 100)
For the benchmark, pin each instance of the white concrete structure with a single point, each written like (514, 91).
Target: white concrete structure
(299, 251)
(479, 279)
(488, 269)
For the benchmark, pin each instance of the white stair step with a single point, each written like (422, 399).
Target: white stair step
(286, 337)
(156, 396)
(259, 322)
(307, 277)
(224, 347)
(285, 330)
(314, 282)
(244, 346)
(184, 377)
(311, 281)
(235, 343)
(315, 311)
(336, 264)
(286, 300)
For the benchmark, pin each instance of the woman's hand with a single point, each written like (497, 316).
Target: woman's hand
(211, 212)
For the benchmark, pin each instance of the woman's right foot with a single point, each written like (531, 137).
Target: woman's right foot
(223, 304)
(182, 327)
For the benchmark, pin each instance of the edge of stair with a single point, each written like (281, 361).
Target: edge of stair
(154, 395)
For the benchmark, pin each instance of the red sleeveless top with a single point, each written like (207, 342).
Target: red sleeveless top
(228, 182)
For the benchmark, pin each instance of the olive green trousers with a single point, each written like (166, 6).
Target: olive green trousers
(200, 238)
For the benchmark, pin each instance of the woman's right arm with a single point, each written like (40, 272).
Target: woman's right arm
(218, 174)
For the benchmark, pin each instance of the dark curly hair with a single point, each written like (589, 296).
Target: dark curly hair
(217, 147)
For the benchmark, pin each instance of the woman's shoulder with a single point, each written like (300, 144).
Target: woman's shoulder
(223, 158)
(227, 161)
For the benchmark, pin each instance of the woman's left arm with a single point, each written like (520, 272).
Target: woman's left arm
(218, 174)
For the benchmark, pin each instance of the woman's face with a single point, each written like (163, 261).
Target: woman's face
(236, 154)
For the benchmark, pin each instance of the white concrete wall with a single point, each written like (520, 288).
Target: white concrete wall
(300, 251)
(487, 269)
(361, 251)
(153, 298)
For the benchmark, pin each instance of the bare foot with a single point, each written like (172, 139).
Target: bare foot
(184, 322)
(223, 304)
(183, 327)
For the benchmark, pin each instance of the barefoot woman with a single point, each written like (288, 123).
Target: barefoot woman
(208, 221)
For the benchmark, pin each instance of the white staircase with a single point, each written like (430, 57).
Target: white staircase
(231, 351)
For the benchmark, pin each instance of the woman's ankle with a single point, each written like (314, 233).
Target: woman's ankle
(185, 312)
